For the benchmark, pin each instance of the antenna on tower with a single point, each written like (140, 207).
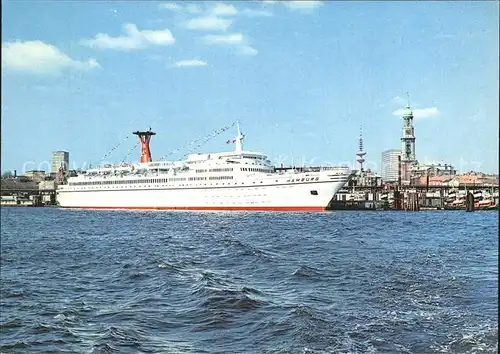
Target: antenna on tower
(408, 96)
(361, 153)
(360, 138)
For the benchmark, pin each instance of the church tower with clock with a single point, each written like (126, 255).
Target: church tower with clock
(408, 138)
(408, 157)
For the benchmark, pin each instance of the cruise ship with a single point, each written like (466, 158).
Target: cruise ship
(235, 180)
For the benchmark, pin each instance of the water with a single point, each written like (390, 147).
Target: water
(224, 282)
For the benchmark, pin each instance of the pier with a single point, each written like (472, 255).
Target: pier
(416, 198)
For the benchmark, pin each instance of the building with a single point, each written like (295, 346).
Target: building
(48, 185)
(21, 184)
(408, 156)
(408, 138)
(367, 179)
(59, 159)
(432, 170)
(35, 175)
(390, 165)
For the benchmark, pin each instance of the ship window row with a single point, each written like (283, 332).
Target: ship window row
(136, 181)
(197, 178)
(201, 171)
(251, 169)
(221, 169)
(220, 177)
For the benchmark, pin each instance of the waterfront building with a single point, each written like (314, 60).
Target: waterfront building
(59, 159)
(390, 165)
(35, 175)
(432, 170)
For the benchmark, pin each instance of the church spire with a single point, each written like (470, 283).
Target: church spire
(408, 136)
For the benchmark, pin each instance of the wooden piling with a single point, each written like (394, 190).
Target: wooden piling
(397, 200)
(412, 202)
(469, 202)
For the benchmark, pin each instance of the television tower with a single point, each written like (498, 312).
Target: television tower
(145, 137)
(361, 153)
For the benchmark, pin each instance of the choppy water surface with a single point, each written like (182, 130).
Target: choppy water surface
(157, 282)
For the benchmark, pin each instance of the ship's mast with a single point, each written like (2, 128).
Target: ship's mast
(238, 140)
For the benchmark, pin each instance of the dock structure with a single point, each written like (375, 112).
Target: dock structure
(412, 202)
(365, 191)
(416, 198)
(21, 191)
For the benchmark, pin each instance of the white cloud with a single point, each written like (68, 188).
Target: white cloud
(37, 57)
(235, 38)
(190, 63)
(133, 39)
(302, 4)
(192, 8)
(170, 6)
(189, 8)
(93, 63)
(256, 13)
(208, 23)
(247, 50)
(419, 112)
(221, 9)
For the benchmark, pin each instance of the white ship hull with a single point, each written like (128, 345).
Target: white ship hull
(284, 197)
(238, 180)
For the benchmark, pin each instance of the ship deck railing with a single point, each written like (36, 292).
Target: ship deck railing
(311, 168)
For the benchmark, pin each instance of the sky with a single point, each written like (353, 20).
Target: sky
(300, 77)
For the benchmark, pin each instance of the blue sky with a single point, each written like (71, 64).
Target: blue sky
(300, 77)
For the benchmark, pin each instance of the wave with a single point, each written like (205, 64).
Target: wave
(14, 345)
(308, 272)
(13, 323)
(482, 339)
